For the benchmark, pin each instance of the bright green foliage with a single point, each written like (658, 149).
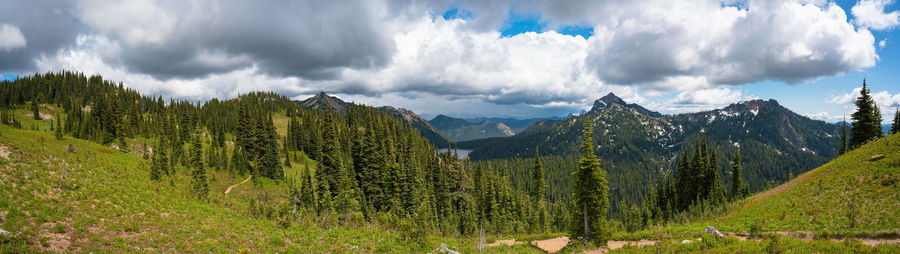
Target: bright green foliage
(866, 119)
(198, 173)
(739, 188)
(590, 195)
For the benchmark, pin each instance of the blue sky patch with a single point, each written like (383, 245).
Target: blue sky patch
(7, 76)
(521, 23)
(457, 13)
(584, 31)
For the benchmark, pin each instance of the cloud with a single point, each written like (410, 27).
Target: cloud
(825, 116)
(715, 96)
(11, 37)
(185, 39)
(45, 26)
(870, 14)
(650, 43)
(405, 49)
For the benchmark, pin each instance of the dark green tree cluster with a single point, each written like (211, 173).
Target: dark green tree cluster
(866, 120)
(697, 181)
(374, 165)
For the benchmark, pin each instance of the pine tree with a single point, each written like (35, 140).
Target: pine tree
(156, 169)
(866, 119)
(198, 175)
(35, 111)
(716, 189)
(539, 193)
(895, 127)
(590, 195)
(739, 188)
(58, 132)
(844, 145)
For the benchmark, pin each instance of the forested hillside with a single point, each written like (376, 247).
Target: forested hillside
(370, 166)
(637, 145)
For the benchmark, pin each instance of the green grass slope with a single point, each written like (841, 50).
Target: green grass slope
(849, 194)
(99, 199)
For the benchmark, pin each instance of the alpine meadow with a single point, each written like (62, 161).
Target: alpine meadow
(449, 126)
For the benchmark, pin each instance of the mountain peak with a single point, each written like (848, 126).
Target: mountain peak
(323, 101)
(611, 99)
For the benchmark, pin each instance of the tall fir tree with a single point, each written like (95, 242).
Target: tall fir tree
(590, 195)
(739, 188)
(539, 193)
(58, 132)
(866, 119)
(198, 175)
(155, 172)
(35, 111)
(716, 189)
(844, 143)
(895, 127)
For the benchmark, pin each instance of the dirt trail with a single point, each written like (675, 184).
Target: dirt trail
(612, 245)
(552, 245)
(509, 242)
(242, 182)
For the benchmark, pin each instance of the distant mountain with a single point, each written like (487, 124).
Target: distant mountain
(322, 101)
(461, 130)
(776, 143)
(517, 125)
(425, 128)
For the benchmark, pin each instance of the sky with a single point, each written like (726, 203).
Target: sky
(464, 58)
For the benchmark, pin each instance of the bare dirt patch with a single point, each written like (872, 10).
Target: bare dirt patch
(552, 245)
(509, 242)
(612, 245)
(4, 152)
(56, 241)
(44, 116)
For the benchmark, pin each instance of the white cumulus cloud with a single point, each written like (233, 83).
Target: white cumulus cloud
(870, 14)
(11, 37)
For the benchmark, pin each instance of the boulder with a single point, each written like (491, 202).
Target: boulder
(876, 157)
(714, 232)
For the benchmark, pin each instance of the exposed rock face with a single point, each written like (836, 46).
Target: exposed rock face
(714, 232)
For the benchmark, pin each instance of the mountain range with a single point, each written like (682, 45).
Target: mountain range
(775, 142)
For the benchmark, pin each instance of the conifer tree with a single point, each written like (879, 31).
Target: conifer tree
(866, 119)
(895, 127)
(35, 111)
(539, 193)
(844, 145)
(590, 195)
(739, 188)
(155, 166)
(58, 132)
(198, 175)
(716, 189)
